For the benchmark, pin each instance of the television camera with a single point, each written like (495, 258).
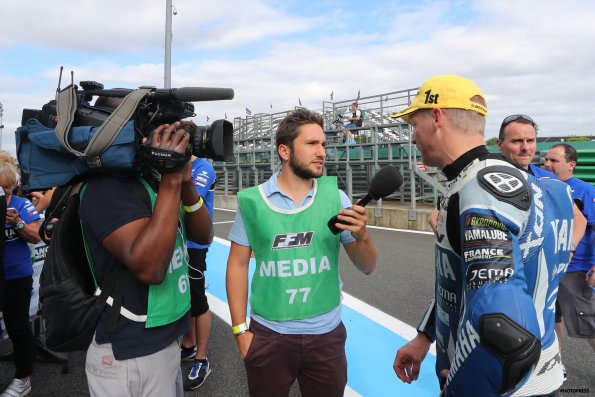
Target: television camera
(159, 106)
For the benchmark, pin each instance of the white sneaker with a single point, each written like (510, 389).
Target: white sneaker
(564, 372)
(17, 388)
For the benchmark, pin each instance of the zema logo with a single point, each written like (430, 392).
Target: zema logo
(292, 240)
(431, 98)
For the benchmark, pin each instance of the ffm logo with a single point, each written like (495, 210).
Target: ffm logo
(431, 98)
(292, 240)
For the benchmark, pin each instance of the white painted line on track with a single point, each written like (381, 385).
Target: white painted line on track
(223, 209)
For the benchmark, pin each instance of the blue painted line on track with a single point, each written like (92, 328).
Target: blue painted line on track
(370, 347)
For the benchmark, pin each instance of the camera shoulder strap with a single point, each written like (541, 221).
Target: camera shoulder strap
(103, 138)
(114, 123)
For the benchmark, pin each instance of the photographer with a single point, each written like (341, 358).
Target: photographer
(127, 228)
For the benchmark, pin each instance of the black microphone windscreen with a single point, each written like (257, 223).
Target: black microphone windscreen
(385, 181)
(197, 94)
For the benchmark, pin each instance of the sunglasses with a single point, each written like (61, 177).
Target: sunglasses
(513, 118)
(517, 117)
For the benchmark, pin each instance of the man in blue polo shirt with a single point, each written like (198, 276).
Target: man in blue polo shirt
(517, 141)
(295, 296)
(576, 296)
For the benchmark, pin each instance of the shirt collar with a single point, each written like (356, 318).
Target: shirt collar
(452, 170)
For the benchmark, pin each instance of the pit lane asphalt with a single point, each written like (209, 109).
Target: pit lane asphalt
(401, 286)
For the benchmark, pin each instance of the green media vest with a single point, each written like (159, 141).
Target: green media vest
(297, 256)
(170, 300)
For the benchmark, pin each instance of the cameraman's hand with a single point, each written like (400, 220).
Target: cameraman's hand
(170, 137)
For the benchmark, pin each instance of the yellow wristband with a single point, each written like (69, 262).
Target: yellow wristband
(239, 329)
(195, 207)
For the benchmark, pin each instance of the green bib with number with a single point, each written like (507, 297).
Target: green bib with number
(297, 256)
(170, 300)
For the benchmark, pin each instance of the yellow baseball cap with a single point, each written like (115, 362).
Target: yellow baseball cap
(447, 91)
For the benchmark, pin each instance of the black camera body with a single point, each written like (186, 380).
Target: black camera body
(159, 106)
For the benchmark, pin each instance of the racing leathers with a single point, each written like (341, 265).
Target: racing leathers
(502, 246)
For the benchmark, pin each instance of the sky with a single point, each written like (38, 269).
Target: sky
(530, 57)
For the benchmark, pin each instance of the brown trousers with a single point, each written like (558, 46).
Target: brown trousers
(318, 362)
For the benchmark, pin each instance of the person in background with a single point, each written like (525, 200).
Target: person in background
(490, 244)
(355, 121)
(295, 330)
(21, 228)
(576, 295)
(517, 141)
(195, 342)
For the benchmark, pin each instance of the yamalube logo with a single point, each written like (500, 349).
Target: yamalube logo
(292, 240)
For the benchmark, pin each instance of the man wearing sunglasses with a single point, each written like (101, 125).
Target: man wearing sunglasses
(517, 142)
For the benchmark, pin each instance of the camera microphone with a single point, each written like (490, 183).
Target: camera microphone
(183, 94)
(195, 94)
(387, 180)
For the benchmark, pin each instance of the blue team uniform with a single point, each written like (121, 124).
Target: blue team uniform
(503, 241)
(203, 179)
(583, 195)
(17, 254)
(540, 172)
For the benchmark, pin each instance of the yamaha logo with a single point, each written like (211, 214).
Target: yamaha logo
(502, 182)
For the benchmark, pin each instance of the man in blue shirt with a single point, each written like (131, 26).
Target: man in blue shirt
(194, 343)
(295, 297)
(576, 296)
(517, 141)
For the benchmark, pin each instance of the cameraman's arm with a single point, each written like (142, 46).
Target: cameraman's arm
(145, 246)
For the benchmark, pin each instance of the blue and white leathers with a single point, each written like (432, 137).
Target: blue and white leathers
(503, 244)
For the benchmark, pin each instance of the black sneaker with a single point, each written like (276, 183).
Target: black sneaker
(199, 371)
(187, 353)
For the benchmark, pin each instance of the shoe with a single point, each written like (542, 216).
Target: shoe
(199, 371)
(188, 353)
(564, 373)
(17, 388)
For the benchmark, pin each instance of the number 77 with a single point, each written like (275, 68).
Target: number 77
(293, 292)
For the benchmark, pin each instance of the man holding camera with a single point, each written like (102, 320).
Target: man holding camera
(139, 236)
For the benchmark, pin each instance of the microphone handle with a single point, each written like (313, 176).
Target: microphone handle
(365, 200)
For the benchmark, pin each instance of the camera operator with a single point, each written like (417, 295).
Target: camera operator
(127, 228)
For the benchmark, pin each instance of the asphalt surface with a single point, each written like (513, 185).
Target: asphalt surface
(401, 286)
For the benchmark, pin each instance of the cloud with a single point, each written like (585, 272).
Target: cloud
(529, 56)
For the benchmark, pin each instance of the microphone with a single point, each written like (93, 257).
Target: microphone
(197, 94)
(183, 94)
(387, 180)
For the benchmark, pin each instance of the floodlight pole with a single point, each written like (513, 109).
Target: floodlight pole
(168, 38)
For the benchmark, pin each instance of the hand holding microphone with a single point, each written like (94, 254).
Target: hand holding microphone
(387, 180)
